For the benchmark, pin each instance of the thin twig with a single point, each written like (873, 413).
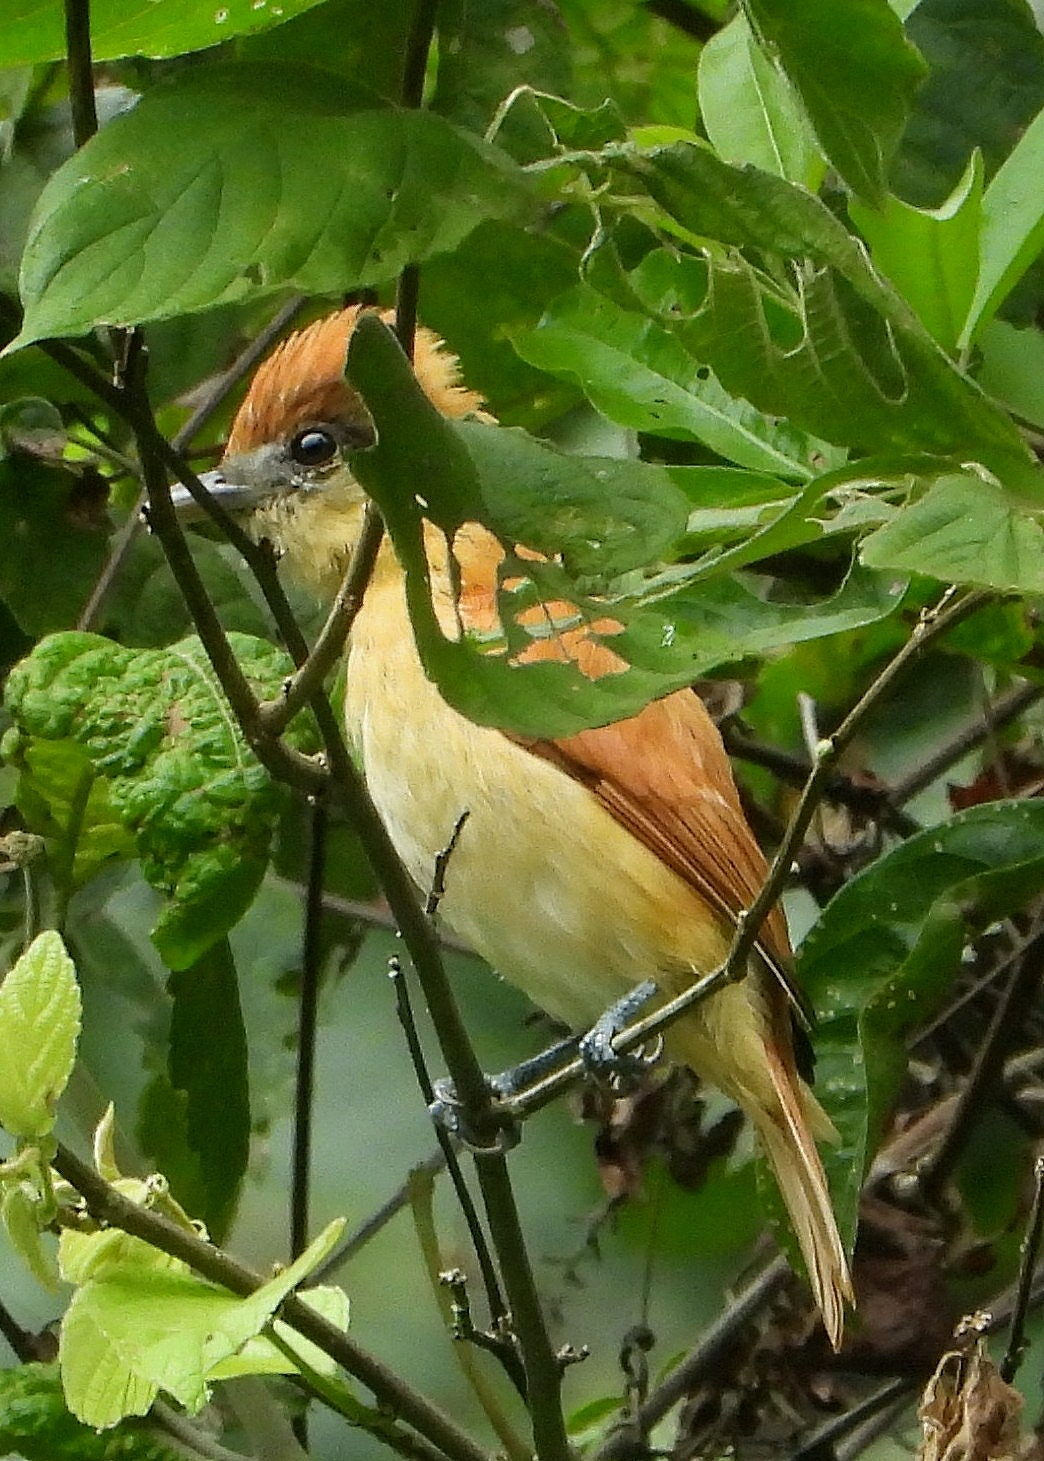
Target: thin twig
(217, 391)
(304, 1097)
(1009, 1366)
(108, 1206)
(989, 1062)
(1003, 711)
(353, 1242)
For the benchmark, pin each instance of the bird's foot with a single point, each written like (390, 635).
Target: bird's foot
(495, 1130)
(510, 1083)
(599, 1055)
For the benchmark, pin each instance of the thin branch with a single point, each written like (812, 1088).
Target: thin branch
(276, 715)
(1017, 1343)
(1003, 711)
(989, 1062)
(700, 1362)
(353, 1242)
(108, 1206)
(219, 388)
(304, 1098)
(81, 69)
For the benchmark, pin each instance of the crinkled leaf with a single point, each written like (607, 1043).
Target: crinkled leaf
(233, 181)
(33, 32)
(20, 1212)
(39, 1028)
(885, 952)
(1012, 227)
(749, 111)
(63, 800)
(856, 73)
(155, 724)
(640, 374)
(100, 1389)
(931, 255)
(964, 530)
(600, 517)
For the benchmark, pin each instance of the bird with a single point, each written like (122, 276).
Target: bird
(585, 865)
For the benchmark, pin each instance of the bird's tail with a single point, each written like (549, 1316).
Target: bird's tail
(786, 1134)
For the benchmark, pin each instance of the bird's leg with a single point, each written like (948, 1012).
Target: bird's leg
(596, 1048)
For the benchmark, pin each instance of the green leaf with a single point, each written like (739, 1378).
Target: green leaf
(21, 1212)
(228, 182)
(964, 530)
(750, 113)
(261, 1357)
(33, 33)
(35, 1423)
(137, 1331)
(931, 255)
(640, 374)
(600, 518)
(856, 73)
(1012, 368)
(39, 1027)
(1012, 227)
(985, 85)
(885, 952)
(156, 726)
(208, 1063)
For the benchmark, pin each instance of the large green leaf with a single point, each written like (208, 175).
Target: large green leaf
(231, 181)
(1013, 226)
(155, 726)
(33, 32)
(749, 111)
(856, 74)
(839, 352)
(604, 520)
(642, 375)
(931, 255)
(964, 530)
(886, 951)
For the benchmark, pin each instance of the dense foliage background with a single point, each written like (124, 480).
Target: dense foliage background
(761, 290)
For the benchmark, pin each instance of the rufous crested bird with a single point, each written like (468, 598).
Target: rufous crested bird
(586, 865)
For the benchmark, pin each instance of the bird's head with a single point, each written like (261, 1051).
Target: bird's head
(286, 469)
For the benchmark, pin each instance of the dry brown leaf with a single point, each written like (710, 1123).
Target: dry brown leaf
(968, 1412)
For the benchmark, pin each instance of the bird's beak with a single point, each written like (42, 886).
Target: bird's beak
(234, 497)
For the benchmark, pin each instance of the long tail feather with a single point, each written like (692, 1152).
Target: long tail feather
(786, 1134)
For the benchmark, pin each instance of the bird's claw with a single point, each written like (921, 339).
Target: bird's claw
(602, 1061)
(500, 1131)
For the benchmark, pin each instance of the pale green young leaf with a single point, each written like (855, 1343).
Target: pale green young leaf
(1012, 227)
(259, 1356)
(20, 1212)
(931, 255)
(750, 113)
(100, 1387)
(39, 1028)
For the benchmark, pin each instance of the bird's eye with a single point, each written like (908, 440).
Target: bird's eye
(313, 447)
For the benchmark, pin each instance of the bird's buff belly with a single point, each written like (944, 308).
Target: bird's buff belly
(542, 881)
